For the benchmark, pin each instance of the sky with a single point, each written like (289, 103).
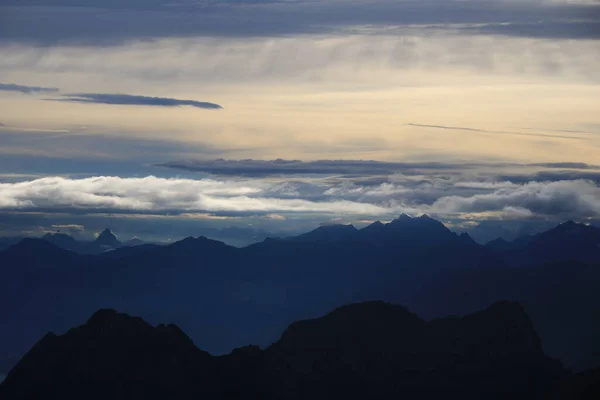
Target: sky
(241, 119)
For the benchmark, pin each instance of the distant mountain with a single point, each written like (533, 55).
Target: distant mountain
(62, 240)
(255, 291)
(370, 350)
(134, 241)
(569, 241)
(503, 245)
(108, 239)
(329, 233)
(403, 232)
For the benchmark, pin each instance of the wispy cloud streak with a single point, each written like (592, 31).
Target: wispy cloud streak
(460, 128)
(133, 100)
(12, 87)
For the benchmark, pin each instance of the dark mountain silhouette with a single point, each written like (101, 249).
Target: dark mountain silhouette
(582, 386)
(108, 239)
(29, 251)
(105, 242)
(404, 231)
(370, 350)
(502, 245)
(329, 233)
(113, 356)
(62, 240)
(256, 291)
(569, 241)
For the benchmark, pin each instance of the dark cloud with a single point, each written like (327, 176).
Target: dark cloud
(132, 100)
(460, 128)
(91, 153)
(542, 29)
(566, 165)
(550, 176)
(360, 169)
(276, 167)
(97, 22)
(11, 87)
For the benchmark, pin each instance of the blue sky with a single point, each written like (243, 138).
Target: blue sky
(483, 113)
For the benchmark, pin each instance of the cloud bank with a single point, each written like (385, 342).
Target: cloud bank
(104, 22)
(133, 100)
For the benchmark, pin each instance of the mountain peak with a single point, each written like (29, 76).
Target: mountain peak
(108, 238)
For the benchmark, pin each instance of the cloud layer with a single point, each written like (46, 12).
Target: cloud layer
(98, 22)
(449, 198)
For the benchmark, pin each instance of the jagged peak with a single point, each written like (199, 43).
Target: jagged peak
(107, 231)
(107, 237)
(377, 225)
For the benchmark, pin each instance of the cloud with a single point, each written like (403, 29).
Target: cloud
(11, 87)
(354, 168)
(159, 194)
(251, 167)
(69, 227)
(128, 99)
(274, 199)
(542, 29)
(560, 198)
(459, 128)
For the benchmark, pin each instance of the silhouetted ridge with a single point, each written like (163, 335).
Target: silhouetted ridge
(378, 350)
(114, 355)
(62, 240)
(327, 233)
(200, 243)
(37, 249)
(371, 349)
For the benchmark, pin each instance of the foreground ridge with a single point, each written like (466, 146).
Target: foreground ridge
(365, 350)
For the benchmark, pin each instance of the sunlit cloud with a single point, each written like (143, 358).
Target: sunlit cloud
(578, 198)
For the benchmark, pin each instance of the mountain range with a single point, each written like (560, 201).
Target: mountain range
(369, 350)
(225, 297)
